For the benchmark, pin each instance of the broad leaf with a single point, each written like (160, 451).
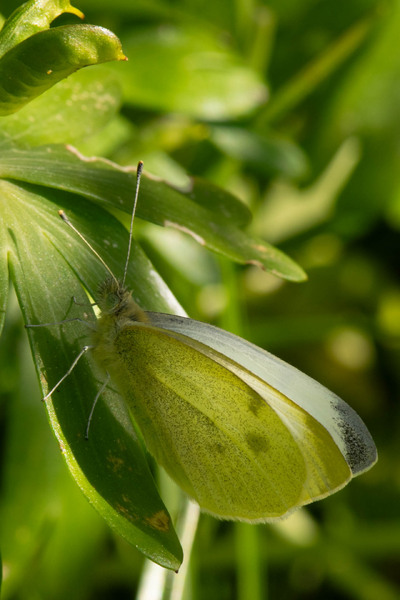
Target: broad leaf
(74, 109)
(32, 17)
(40, 61)
(160, 203)
(41, 255)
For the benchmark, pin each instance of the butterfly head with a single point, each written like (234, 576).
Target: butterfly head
(112, 296)
(115, 299)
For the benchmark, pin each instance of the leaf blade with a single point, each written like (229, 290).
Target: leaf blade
(164, 205)
(40, 61)
(109, 466)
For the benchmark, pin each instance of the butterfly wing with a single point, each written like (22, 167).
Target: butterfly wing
(231, 439)
(336, 416)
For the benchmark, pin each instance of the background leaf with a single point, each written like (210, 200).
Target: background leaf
(40, 61)
(189, 70)
(315, 162)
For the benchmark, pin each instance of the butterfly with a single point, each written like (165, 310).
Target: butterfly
(243, 433)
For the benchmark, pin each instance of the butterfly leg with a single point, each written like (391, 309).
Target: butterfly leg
(72, 367)
(75, 301)
(77, 319)
(101, 390)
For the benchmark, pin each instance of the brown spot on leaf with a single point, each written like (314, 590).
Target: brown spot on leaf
(256, 263)
(260, 248)
(116, 463)
(160, 521)
(124, 511)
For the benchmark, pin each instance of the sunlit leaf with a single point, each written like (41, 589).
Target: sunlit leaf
(32, 17)
(72, 110)
(161, 204)
(40, 61)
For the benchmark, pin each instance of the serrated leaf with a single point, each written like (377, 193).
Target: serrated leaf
(40, 61)
(40, 253)
(108, 184)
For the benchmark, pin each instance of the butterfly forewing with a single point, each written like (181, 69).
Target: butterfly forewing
(338, 418)
(226, 444)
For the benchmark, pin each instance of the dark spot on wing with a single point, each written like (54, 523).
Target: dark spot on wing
(257, 443)
(360, 448)
(219, 448)
(254, 405)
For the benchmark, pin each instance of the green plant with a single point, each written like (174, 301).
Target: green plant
(37, 180)
(284, 157)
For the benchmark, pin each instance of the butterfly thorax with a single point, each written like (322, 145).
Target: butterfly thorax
(118, 310)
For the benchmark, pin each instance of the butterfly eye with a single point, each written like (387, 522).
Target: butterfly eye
(111, 301)
(108, 301)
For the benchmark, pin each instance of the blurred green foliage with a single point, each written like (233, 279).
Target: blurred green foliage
(312, 91)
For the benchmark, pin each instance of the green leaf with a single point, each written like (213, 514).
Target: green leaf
(189, 71)
(74, 109)
(288, 211)
(30, 18)
(313, 74)
(367, 100)
(159, 203)
(268, 154)
(40, 253)
(40, 61)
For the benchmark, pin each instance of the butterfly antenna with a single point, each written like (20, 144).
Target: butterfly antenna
(138, 176)
(68, 222)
